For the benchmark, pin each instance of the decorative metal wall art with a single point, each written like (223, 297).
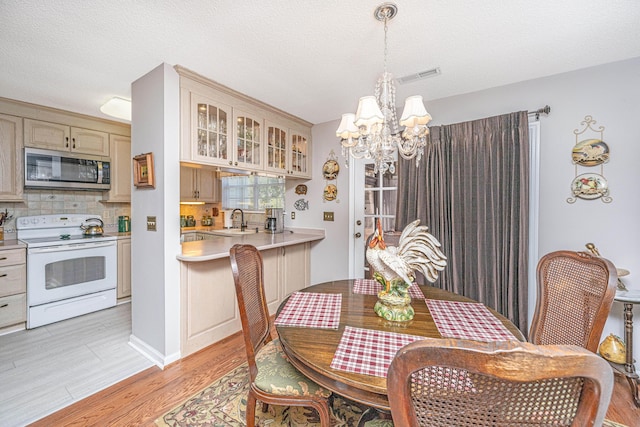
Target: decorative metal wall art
(589, 153)
(330, 171)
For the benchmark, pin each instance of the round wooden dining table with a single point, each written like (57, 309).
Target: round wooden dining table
(311, 350)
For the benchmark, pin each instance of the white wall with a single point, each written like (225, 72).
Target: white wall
(330, 257)
(154, 268)
(609, 93)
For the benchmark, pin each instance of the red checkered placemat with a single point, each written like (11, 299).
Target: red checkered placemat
(369, 352)
(371, 287)
(311, 310)
(467, 320)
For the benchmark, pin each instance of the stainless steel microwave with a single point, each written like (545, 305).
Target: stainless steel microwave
(66, 171)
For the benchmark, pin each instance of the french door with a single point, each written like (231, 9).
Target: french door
(374, 195)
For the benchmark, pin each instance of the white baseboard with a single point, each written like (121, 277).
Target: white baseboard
(151, 353)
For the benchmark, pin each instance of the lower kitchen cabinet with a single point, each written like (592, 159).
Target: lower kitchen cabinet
(124, 267)
(13, 287)
(208, 306)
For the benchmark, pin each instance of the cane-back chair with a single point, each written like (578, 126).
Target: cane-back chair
(460, 383)
(273, 379)
(575, 293)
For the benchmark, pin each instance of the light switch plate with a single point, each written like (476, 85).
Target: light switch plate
(328, 216)
(151, 223)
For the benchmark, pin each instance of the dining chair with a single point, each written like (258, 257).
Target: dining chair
(574, 297)
(273, 380)
(453, 382)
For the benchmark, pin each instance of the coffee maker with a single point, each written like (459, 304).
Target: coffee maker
(274, 222)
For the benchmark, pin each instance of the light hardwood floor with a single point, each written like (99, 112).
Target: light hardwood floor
(140, 399)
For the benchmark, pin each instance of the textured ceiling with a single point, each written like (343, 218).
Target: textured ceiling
(313, 59)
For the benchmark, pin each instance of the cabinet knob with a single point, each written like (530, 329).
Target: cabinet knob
(4, 305)
(357, 235)
(74, 142)
(230, 163)
(66, 138)
(3, 275)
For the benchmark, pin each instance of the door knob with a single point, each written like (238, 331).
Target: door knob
(357, 235)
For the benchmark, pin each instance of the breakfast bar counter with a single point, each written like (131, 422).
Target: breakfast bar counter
(218, 247)
(208, 306)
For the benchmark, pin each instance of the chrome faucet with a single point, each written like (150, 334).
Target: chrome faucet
(243, 226)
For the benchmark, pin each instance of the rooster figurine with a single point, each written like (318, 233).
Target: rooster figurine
(394, 267)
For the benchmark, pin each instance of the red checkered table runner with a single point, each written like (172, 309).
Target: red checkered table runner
(311, 310)
(369, 352)
(467, 320)
(371, 287)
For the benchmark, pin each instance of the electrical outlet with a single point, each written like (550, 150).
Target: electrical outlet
(293, 215)
(328, 216)
(151, 223)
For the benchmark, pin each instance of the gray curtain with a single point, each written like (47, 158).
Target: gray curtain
(472, 190)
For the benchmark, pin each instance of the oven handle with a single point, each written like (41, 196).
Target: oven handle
(71, 247)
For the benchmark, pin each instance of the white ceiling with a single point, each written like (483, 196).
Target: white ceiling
(311, 58)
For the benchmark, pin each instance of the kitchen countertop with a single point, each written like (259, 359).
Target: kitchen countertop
(205, 250)
(11, 244)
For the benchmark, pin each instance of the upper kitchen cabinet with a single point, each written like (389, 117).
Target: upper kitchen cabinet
(54, 136)
(209, 126)
(259, 138)
(277, 148)
(199, 185)
(300, 154)
(120, 155)
(248, 141)
(11, 167)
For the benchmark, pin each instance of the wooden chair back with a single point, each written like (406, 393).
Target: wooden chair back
(452, 382)
(247, 270)
(574, 297)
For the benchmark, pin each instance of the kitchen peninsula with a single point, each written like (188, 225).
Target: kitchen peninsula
(208, 304)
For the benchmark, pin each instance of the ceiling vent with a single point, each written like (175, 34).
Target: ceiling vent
(418, 76)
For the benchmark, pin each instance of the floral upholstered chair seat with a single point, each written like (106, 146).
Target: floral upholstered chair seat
(277, 376)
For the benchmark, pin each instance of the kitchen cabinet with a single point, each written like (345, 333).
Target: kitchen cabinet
(60, 137)
(277, 148)
(199, 185)
(208, 138)
(11, 164)
(300, 155)
(120, 155)
(248, 149)
(124, 268)
(13, 287)
(208, 306)
(208, 130)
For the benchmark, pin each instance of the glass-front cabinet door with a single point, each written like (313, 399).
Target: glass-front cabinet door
(210, 131)
(248, 137)
(299, 162)
(277, 148)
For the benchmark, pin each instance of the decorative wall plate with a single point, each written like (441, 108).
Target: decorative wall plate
(301, 204)
(330, 192)
(330, 169)
(590, 152)
(589, 186)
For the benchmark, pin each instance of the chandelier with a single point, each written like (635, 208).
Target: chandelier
(373, 132)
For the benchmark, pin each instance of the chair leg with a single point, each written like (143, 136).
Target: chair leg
(323, 412)
(251, 410)
(265, 407)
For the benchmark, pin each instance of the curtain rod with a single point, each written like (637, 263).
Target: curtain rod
(544, 110)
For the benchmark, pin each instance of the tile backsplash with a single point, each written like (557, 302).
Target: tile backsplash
(46, 202)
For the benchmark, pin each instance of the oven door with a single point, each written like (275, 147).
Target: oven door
(59, 272)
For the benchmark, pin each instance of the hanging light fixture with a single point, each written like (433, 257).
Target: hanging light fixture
(373, 132)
